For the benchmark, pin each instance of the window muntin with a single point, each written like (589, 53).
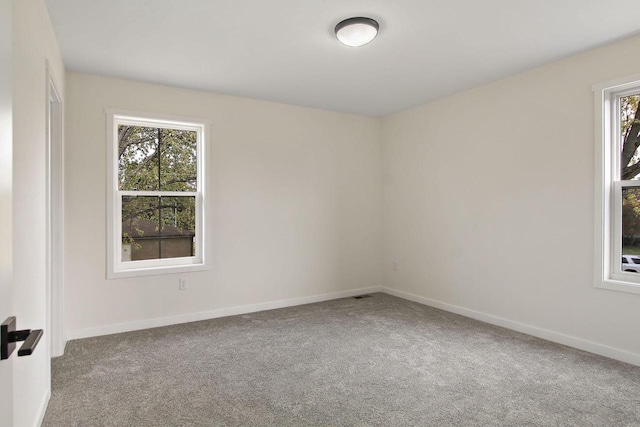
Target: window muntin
(156, 204)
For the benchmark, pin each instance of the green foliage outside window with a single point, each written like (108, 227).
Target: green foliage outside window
(157, 159)
(630, 170)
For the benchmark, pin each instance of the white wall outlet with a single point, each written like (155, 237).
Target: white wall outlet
(182, 284)
(394, 266)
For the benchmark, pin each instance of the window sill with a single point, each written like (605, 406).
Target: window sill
(154, 271)
(619, 285)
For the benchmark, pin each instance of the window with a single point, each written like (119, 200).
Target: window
(618, 184)
(156, 201)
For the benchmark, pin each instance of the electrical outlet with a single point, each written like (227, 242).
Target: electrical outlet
(394, 266)
(182, 284)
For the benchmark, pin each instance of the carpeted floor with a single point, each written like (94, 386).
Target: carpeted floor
(379, 361)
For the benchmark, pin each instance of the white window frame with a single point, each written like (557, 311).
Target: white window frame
(116, 268)
(608, 186)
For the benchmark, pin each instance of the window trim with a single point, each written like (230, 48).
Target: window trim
(608, 200)
(115, 267)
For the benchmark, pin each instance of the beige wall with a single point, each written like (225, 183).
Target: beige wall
(33, 44)
(296, 205)
(487, 205)
(489, 202)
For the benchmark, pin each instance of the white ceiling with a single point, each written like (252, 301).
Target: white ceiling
(285, 50)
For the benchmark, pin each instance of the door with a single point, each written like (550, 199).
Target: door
(6, 197)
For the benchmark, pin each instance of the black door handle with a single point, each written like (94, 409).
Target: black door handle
(9, 336)
(30, 343)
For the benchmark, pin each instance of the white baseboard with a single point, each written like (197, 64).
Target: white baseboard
(579, 343)
(42, 410)
(213, 314)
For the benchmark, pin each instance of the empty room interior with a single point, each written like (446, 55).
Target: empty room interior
(320, 213)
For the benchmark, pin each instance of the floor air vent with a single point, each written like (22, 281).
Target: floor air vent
(362, 296)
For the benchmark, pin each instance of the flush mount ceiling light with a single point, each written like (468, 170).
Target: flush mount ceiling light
(357, 32)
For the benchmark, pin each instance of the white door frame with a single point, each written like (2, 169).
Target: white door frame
(55, 215)
(6, 201)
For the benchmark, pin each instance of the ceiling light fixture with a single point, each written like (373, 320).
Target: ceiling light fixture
(356, 32)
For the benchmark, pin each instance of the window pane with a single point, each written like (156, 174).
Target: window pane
(138, 158)
(630, 137)
(152, 159)
(630, 226)
(157, 227)
(179, 226)
(178, 165)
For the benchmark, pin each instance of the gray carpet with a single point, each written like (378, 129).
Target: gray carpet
(378, 361)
